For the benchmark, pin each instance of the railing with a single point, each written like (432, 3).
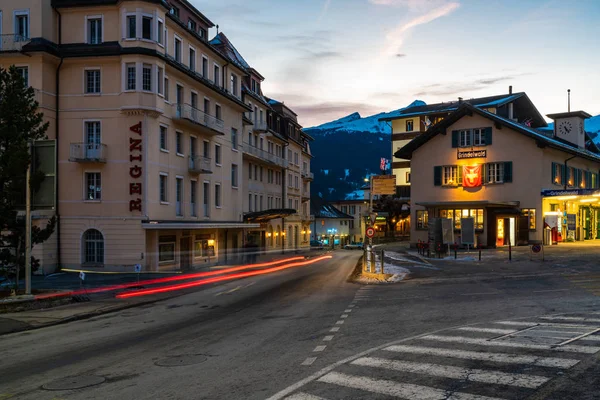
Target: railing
(308, 175)
(199, 164)
(87, 152)
(260, 125)
(12, 42)
(263, 154)
(185, 111)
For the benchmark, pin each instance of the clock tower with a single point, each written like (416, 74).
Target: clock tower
(568, 126)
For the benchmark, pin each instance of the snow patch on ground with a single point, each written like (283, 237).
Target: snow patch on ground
(402, 258)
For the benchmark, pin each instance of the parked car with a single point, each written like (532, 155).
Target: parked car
(316, 245)
(354, 246)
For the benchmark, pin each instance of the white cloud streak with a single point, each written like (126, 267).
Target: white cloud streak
(326, 5)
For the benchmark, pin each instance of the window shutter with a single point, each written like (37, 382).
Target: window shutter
(508, 171)
(488, 135)
(484, 173)
(455, 139)
(553, 174)
(563, 174)
(437, 176)
(459, 175)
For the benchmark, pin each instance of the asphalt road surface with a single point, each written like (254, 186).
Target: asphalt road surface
(307, 333)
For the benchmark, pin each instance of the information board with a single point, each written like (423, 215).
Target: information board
(467, 231)
(447, 231)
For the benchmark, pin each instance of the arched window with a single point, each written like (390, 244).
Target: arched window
(93, 247)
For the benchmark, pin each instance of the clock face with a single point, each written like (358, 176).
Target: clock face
(565, 127)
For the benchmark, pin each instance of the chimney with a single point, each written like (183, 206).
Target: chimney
(460, 99)
(510, 89)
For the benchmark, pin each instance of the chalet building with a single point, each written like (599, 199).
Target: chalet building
(332, 226)
(359, 211)
(150, 121)
(515, 181)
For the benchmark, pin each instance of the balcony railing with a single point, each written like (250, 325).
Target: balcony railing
(185, 111)
(87, 152)
(260, 126)
(264, 155)
(12, 42)
(199, 165)
(308, 175)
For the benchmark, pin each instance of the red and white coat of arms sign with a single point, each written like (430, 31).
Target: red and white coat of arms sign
(472, 175)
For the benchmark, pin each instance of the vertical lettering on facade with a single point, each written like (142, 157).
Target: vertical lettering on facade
(135, 170)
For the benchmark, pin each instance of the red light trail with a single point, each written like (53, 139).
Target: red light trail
(180, 286)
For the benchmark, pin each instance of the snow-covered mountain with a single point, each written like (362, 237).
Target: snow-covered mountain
(355, 123)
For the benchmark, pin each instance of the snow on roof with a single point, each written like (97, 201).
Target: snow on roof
(356, 195)
(224, 44)
(329, 211)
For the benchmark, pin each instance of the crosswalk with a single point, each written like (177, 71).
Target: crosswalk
(589, 282)
(499, 360)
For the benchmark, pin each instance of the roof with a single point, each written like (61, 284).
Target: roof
(197, 13)
(267, 215)
(225, 47)
(329, 211)
(468, 109)
(581, 114)
(448, 107)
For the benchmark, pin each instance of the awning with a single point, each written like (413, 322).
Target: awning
(196, 225)
(470, 204)
(267, 215)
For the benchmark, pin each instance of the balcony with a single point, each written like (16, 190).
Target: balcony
(88, 152)
(199, 165)
(12, 42)
(206, 123)
(260, 126)
(263, 155)
(308, 176)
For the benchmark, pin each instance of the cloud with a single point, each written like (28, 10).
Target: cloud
(324, 9)
(463, 88)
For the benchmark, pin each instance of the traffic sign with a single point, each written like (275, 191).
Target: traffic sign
(536, 248)
(82, 275)
(138, 268)
(373, 218)
(370, 232)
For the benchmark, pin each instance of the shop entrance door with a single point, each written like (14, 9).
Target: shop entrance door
(505, 231)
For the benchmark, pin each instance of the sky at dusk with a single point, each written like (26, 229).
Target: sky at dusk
(328, 58)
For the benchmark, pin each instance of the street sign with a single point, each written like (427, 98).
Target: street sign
(373, 218)
(536, 248)
(370, 232)
(82, 275)
(138, 268)
(383, 184)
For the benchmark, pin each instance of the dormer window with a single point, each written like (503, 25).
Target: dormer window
(254, 85)
(175, 11)
(202, 33)
(192, 25)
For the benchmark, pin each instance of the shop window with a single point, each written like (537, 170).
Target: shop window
(166, 249)
(530, 213)
(203, 247)
(457, 215)
(422, 219)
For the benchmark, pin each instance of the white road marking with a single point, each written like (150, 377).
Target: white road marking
(579, 319)
(344, 316)
(304, 396)
(309, 361)
(340, 322)
(495, 357)
(447, 371)
(334, 329)
(348, 310)
(319, 348)
(583, 336)
(396, 389)
(541, 324)
(484, 342)
(550, 290)
(487, 330)
(328, 338)
(479, 294)
(352, 305)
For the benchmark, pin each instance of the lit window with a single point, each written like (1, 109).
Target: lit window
(422, 219)
(450, 175)
(530, 213)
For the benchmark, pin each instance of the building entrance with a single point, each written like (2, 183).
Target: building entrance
(505, 231)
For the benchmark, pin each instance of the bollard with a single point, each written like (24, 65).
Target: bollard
(509, 251)
(479, 253)
(382, 261)
(455, 247)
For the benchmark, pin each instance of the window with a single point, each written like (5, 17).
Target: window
(250, 202)
(594, 180)
(256, 172)
(131, 27)
(234, 85)
(177, 49)
(193, 195)
(93, 247)
(131, 76)
(450, 175)
(465, 138)
(234, 143)
(530, 213)
(205, 199)
(166, 88)
(250, 171)
(409, 125)
(478, 137)
(202, 33)
(93, 138)
(205, 67)
(296, 205)
(175, 11)
(192, 25)
(93, 186)
(558, 173)
(163, 188)
(217, 154)
(94, 30)
(345, 209)
(296, 159)
(192, 59)
(178, 143)
(179, 94)
(24, 72)
(206, 106)
(408, 177)
(218, 111)
(234, 175)
(179, 196)
(166, 249)
(192, 147)
(495, 173)
(147, 77)
(289, 155)
(216, 75)
(253, 85)
(160, 33)
(163, 138)
(341, 222)
(92, 81)
(21, 25)
(160, 81)
(296, 185)
(290, 204)
(261, 173)
(218, 195)
(353, 210)
(457, 215)
(351, 224)
(147, 28)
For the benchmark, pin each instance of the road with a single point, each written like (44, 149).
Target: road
(307, 333)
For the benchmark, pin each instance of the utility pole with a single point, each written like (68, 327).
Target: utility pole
(28, 224)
